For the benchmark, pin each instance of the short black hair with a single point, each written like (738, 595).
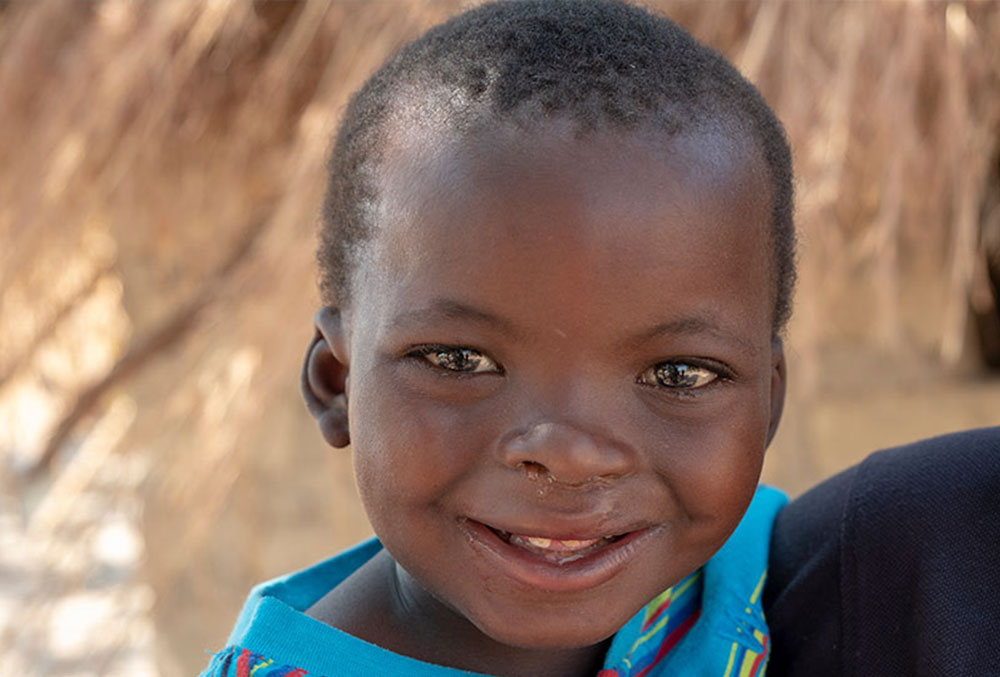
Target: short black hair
(602, 63)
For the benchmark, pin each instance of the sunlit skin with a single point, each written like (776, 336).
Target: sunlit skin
(554, 335)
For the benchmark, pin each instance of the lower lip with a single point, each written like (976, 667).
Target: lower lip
(538, 573)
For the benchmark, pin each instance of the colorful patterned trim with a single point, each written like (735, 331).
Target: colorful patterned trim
(744, 661)
(667, 619)
(239, 662)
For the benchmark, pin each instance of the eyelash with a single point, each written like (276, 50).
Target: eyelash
(651, 377)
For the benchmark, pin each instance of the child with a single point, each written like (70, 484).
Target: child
(557, 259)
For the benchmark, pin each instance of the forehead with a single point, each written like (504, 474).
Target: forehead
(430, 167)
(596, 218)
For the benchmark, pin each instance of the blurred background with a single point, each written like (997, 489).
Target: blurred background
(162, 168)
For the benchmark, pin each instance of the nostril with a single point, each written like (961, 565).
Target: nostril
(533, 470)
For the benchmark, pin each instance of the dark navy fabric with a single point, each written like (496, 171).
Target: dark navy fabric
(893, 566)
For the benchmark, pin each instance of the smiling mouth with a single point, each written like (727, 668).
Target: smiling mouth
(555, 550)
(557, 562)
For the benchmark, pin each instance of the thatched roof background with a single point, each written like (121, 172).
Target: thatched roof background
(161, 176)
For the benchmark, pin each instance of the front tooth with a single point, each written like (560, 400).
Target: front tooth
(538, 542)
(576, 544)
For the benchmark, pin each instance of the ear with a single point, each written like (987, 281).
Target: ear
(325, 378)
(779, 378)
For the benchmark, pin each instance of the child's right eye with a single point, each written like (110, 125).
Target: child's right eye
(456, 359)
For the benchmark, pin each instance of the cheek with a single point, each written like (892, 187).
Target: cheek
(713, 466)
(409, 448)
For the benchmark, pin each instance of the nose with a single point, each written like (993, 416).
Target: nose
(567, 453)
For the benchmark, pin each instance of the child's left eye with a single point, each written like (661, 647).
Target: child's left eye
(678, 376)
(457, 359)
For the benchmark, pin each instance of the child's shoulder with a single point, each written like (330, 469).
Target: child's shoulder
(274, 633)
(875, 566)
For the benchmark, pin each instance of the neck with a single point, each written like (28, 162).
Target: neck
(435, 633)
(381, 604)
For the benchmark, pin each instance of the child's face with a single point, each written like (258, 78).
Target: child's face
(567, 340)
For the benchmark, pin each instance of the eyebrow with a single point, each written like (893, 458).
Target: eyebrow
(446, 309)
(690, 326)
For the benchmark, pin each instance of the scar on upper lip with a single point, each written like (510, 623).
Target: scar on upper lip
(559, 332)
